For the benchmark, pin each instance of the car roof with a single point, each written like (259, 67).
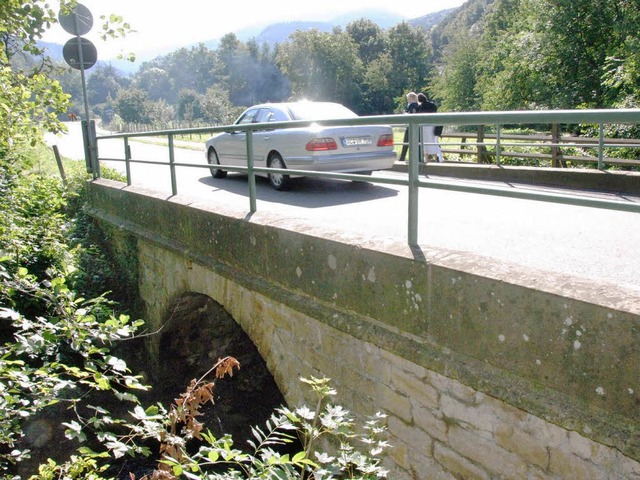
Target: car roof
(309, 110)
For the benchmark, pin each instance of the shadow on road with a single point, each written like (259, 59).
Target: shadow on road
(305, 192)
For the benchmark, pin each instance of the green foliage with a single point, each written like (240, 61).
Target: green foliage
(217, 107)
(80, 467)
(32, 227)
(132, 105)
(61, 352)
(455, 87)
(532, 54)
(369, 38)
(410, 55)
(327, 434)
(57, 351)
(55, 343)
(316, 72)
(189, 105)
(31, 100)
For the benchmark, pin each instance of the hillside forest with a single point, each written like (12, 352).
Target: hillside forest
(486, 55)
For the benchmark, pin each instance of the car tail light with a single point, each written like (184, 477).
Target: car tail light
(386, 140)
(322, 144)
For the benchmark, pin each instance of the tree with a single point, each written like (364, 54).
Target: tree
(621, 71)
(217, 107)
(576, 39)
(30, 100)
(189, 105)
(104, 83)
(409, 53)
(455, 87)
(369, 37)
(554, 54)
(379, 94)
(323, 66)
(71, 83)
(160, 113)
(131, 106)
(156, 81)
(229, 68)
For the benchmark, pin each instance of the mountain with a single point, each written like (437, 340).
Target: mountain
(272, 34)
(279, 32)
(427, 22)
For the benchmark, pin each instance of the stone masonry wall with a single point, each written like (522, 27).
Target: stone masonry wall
(439, 428)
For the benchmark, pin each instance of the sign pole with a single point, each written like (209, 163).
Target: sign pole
(82, 76)
(81, 54)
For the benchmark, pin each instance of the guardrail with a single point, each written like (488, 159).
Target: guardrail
(413, 182)
(477, 145)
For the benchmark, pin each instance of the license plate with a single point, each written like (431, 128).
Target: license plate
(355, 141)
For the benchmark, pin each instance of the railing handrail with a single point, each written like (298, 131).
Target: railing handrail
(597, 116)
(413, 122)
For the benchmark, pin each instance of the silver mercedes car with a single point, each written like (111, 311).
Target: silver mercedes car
(346, 149)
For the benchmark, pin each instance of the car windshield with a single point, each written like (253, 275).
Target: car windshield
(319, 111)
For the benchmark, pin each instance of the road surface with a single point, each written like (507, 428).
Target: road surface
(592, 244)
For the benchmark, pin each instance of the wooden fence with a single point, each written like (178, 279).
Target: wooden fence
(548, 148)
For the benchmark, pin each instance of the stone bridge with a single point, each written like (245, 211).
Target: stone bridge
(485, 370)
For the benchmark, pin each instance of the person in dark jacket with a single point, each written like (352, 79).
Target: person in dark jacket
(425, 105)
(429, 136)
(412, 107)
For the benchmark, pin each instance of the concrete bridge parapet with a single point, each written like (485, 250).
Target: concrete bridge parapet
(485, 370)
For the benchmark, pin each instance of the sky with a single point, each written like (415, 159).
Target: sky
(160, 25)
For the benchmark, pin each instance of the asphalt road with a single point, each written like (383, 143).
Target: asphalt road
(593, 244)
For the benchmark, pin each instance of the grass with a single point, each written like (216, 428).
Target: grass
(43, 162)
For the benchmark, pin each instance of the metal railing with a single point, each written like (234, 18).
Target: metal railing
(412, 181)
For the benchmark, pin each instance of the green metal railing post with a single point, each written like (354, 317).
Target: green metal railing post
(252, 176)
(93, 148)
(498, 148)
(601, 148)
(172, 166)
(127, 157)
(414, 188)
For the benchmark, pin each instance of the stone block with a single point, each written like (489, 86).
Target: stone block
(392, 402)
(529, 448)
(417, 390)
(567, 465)
(452, 387)
(414, 438)
(482, 451)
(431, 422)
(457, 465)
(477, 416)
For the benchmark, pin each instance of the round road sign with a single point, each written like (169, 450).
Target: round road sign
(71, 53)
(77, 21)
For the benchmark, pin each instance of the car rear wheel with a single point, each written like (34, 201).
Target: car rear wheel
(279, 181)
(212, 159)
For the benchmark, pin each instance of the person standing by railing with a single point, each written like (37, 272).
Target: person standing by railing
(412, 107)
(429, 140)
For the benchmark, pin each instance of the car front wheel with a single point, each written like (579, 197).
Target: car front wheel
(279, 181)
(212, 159)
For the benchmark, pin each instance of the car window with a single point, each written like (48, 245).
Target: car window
(248, 117)
(319, 111)
(280, 116)
(265, 115)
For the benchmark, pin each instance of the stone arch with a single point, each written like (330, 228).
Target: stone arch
(197, 332)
